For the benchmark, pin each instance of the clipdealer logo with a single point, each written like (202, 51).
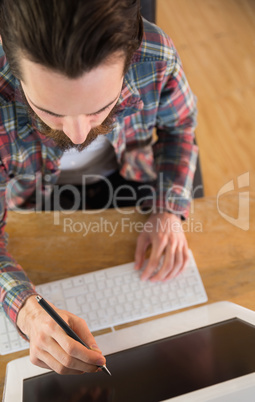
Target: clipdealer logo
(243, 219)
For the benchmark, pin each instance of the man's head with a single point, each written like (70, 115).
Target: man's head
(73, 111)
(70, 57)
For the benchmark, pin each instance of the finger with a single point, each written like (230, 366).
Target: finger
(185, 258)
(42, 364)
(48, 360)
(168, 263)
(76, 355)
(81, 328)
(141, 247)
(62, 360)
(157, 250)
(180, 264)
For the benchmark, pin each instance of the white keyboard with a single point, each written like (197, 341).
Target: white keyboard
(113, 296)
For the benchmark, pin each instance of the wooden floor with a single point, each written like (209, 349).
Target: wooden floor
(216, 42)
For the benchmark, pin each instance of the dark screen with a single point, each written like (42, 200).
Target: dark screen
(159, 370)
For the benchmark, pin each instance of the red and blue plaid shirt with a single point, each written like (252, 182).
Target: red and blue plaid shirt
(155, 94)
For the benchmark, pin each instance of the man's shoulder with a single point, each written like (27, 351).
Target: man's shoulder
(156, 45)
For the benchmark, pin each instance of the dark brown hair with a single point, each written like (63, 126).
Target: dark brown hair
(69, 36)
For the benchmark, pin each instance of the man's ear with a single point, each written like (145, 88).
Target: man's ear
(1, 39)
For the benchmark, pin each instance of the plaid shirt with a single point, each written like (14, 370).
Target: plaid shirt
(155, 93)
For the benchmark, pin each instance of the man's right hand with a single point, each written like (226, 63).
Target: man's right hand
(51, 348)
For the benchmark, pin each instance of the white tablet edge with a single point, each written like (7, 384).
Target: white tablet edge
(239, 389)
(19, 369)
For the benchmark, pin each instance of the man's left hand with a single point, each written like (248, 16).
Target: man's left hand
(163, 231)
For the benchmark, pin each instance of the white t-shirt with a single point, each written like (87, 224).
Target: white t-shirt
(97, 159)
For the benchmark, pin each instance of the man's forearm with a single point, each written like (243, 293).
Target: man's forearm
(175, 164)
(15, 286)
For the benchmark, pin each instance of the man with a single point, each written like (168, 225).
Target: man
(71, 71)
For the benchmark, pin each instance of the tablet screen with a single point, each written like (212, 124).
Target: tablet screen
(158, 370)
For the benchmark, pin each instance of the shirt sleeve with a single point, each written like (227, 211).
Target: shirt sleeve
(15, 286)
(175, 153)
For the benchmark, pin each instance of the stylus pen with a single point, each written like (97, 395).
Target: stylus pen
(64, 326)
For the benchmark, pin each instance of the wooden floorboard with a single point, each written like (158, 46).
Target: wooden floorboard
(216, 42)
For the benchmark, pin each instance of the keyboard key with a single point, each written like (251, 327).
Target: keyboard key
(92, 287)
(85, 308)
(67, 284)
(10, 326)
(6, 348)
(103, 303)
(163, 297)
(156, 290)
(101, 313)
(94, 306)
(107, 293)
(125, 288)
(81, 299)
(121, 298)
(95, 324)
(128, 307)
(92, 315)
(138, 294)
(75, 291)
(78, 281)
(60, 304)
(180, 293)
(4, 338)
(119, 309)
(112, 301)
(128, 279)
(134, 286)
(55, 287)
(109, 283)
(100, 285)
(118, 281)
(137, 304)
(147, 293)
(100, 275)
(14, 336)
(15, 345)
(90, 297)
(116, 291)
(130, 297)
(146, 302)
(104, 323)
(182, 283)
(110, 311)
(89, 278)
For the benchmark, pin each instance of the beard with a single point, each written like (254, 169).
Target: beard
(61, 140)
